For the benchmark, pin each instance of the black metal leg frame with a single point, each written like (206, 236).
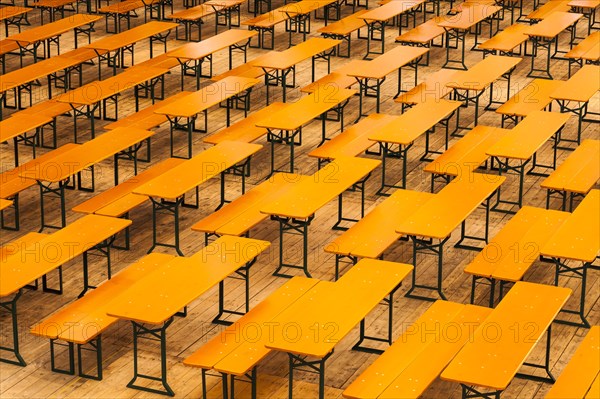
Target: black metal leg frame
(300, 363)
(546, 43)
(358, 186)
(243, 273)
(388, 150)
(505, 167)
(491, 282)
(425, 245)
(171, 208)
(94, 346)
(52, 190)
(153, 333)
(469, 391)
(358, 346)
(298, 23)
(580, 271)
(278, 77)
(101, 249)
(580, 109)
(228, 382)
(10, 305)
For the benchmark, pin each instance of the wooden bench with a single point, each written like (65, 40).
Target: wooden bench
(230, 354)
(190, 18)
(265, 24)
(585, 52)
(485, 367)
(352, 141)
(154, 301)
(423, 35)
(505, 42)
(376, 231)
(510, 254)
(574, 96)
(92, 234)
(245, 130)
(576, 176)
(336, 79)
(465, 155)
(534, 96)
(126, 9)
(119, 200)
(580, 378)
(83, 322)
(574, 247)
(13, 184)
(419, 356)
(397, 137)
(342, 30)
(242, 214)
(432, 88)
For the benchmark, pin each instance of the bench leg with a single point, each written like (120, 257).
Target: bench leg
(11, 307)
(352, 260)
(151, 333)
(71, 352)
(15, 207)
(427, 247)
(470, 392)
(95, 347)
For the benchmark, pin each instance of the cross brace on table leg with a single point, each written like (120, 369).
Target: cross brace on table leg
(358, 186)
(578, 272)
(427, 246)
(388, 151)
(504, 167)
(244, 274)
(102, 249)
(295, 227)
(300, 363)
(464, 236)
(166, 207)
(156, 334)
(368, 90)
(389, 302)
(290, 138)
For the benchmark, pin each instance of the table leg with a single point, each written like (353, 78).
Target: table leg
(11, 307)
(388, 152)
(562, 268)
(298, 362)
(293, 227)
(151, 333)
(427, 246)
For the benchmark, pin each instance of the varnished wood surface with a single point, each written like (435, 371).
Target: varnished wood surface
(186, 335)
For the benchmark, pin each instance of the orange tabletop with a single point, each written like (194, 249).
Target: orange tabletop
(52, 29)
(298, 53)
(249, 69)
(584, 3)
(344, 26)
(433, 88)
(506, 40)
(36, 71)
(583, 370)
(414, 361)
(158, 296)
(99, 90)
(4, 203)
(52, 3)
(471, 14)
(534, 96)
(493, 363)
(445, 211)
(336, 79)
(549, 8)
(199, 50)
(409, 126)
(33, 260)
(390, 10)
(194, 13)
(130, 36)
(12, 11)
(581, 86)
(17, 125)
(308, 196)
(579, 237)
(529, 135)
(342, 304)
(294, 115)
(468, 153)
(303, 7)
(484, 73)
(387, 62)
(213, 94)
(195, 171)
(510, 254)
(553, 24)
(579, 172)
(87, 154)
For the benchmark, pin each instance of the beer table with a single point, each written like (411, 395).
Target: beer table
(14, 15)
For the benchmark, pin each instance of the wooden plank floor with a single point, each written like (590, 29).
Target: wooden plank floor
(188, 334)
